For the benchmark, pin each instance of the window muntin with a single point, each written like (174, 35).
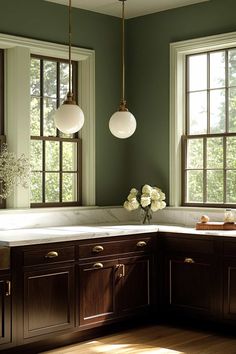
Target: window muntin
(55, 157)
(209, 142)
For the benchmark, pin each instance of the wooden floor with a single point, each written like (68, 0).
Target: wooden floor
(155, 340)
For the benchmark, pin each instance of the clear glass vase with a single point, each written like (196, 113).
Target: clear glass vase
(145, 215)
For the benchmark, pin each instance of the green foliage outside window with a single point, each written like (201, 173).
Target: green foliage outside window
(210, 167)
(54, 177)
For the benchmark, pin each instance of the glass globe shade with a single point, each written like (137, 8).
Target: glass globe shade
(122, 124)
(69, 118)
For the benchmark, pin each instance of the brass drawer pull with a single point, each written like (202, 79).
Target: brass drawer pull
(51, 254)
(97, 266)
(189, 260)
(141, 244)
(8, 288)
(122, 273)
(97, 249)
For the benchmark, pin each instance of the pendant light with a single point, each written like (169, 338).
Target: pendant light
(122, 124)
(69, 117)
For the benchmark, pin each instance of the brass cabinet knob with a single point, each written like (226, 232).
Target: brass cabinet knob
(98, 265)
(51, 254)
(141, 244)
(97, 249)
(189, 260)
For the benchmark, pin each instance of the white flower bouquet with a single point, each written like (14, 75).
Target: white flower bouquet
(13, 171)
(149, 199)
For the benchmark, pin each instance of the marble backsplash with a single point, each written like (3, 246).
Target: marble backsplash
(34, 218)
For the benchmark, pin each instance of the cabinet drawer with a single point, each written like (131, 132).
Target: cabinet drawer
(184, 245)
(230, 248)
(100, 249)
(49, 255)
(4, 258)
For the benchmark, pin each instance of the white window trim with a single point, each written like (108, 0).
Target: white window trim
(17, 108)
(178, 53)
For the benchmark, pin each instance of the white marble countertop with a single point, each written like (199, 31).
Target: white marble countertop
(24, 237)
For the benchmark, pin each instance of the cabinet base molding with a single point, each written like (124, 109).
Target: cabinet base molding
(61, 340)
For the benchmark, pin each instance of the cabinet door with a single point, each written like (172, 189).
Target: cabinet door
(229, 281)
(97, 292)
(48, 301)
(5, 310)
(188, 285)
(133, 282)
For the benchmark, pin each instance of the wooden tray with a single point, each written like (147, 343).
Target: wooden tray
(215, 226)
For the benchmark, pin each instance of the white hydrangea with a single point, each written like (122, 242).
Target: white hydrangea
(146, 189)
(149, 199)
(145, 200)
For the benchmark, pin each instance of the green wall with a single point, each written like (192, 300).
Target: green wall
(144, 158)
(48, 21)
(148, 80)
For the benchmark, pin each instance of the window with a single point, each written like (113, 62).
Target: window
(214, 53)
(17, 55)
(55, 157)
(210, 137)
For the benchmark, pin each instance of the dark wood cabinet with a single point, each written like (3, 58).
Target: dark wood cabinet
(64, 288)
(97, 288)
(189, 285)
(114, 279)
(229, 279)
(189, 277)
(48, 300)
(133, 285)
(5, 309)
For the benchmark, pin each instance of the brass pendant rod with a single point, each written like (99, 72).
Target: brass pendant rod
(123, 52)
(70, 81)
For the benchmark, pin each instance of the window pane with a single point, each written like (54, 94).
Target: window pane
(195, 153)
(198, 113)
(232, 67)
(217, 111)
(215, 153)
(50, 78)
(215, 186)
(69, 162)
(232, 110)
(48, 122)
(36, 152)
(52, 156)
(35, 116)
(231, 187)
(194, 186)
(36, 187)
(198, 72)
(64, 80)
(52, 187)
(217, 69)
(35, 77)
(69, 190)
(231, 152)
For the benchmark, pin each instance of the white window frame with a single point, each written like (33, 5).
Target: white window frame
(17, 105)
(178, 53)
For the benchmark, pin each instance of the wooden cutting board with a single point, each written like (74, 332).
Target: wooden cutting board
(215, 226)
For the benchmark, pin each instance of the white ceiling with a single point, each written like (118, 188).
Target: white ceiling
(133, 8)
